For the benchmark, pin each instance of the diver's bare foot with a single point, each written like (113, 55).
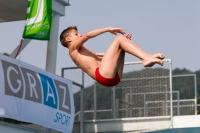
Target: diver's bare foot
(149, 62)
(158, 55)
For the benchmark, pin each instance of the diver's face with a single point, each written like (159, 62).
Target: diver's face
(74, 35)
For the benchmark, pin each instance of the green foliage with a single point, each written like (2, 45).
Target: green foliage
(188, 93)
(178, 71)
(182, 85)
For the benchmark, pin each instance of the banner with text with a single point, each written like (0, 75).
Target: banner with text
(33, 95)
(38, 20)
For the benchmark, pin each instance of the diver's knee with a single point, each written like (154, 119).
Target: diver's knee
(120, 38)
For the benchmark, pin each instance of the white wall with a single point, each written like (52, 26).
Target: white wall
(186, 121)
(128, 124)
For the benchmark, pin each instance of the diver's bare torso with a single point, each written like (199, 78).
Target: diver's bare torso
(87, 60)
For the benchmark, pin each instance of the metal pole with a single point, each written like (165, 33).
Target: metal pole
(95, 100)
(117, 108)
(178, 97)
(127, 106)
(145, 105)
(195, 94)
(163, 108)
(166, 100)
(52, 45)
(113, 103)
(170, 83)
(62, 72)
(24, 44)
(82, 105)
(131, 101)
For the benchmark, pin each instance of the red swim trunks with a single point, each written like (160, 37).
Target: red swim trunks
(106, 81)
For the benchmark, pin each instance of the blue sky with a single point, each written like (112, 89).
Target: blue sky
(171, 27)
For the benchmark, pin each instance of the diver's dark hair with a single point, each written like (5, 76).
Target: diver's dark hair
(66, 33)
